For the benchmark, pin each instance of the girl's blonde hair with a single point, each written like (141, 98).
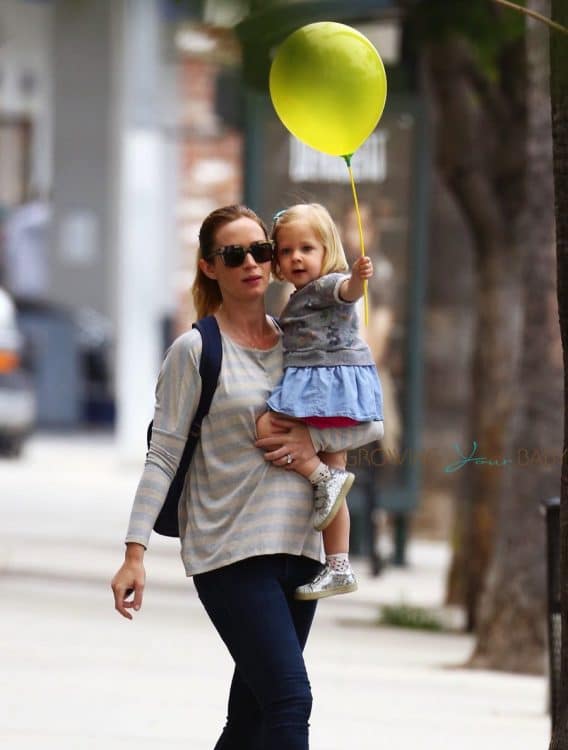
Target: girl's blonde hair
(319, 219)
(205, 291)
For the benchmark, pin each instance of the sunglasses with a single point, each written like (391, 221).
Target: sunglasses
(234, 255)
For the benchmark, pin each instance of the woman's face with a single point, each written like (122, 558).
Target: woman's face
(249, 281)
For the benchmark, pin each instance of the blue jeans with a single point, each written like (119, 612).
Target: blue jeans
(265, 629)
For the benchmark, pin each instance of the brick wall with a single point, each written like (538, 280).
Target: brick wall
(211, 171)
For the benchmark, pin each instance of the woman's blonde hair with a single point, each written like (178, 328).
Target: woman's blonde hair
(319, 219)
(205, 291)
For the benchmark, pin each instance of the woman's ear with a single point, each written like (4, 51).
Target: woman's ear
(207, 268)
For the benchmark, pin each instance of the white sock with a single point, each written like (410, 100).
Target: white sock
(320, 474)
(339, 563)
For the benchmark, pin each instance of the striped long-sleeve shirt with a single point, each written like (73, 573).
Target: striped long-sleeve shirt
(234, 503)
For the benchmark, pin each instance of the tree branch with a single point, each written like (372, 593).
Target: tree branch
(533, 14)
(496, 105)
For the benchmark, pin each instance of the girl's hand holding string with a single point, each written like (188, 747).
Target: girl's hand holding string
(362, 267)
(352, 288)
(291, 438)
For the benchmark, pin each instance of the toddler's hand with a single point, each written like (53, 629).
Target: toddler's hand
(363, 267)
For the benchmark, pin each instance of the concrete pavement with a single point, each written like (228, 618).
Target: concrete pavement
(76, 676)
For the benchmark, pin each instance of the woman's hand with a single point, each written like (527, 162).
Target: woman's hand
(129, 579)
(290, 438)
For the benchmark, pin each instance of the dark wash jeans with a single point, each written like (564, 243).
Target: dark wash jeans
(265, 629)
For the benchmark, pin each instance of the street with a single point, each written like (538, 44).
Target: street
(76, 676)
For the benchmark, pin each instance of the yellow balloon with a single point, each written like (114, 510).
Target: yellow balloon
(328, 86)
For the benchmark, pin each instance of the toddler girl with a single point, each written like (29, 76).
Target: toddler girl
(330, 379)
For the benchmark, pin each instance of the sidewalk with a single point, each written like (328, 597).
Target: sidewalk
(77, 676)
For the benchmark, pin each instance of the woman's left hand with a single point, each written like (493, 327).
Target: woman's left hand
(291, 438)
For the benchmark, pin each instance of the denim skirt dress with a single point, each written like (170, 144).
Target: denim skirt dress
(352, 391)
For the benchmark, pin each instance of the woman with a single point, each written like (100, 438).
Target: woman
(245, 524)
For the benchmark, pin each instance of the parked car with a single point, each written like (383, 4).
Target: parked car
(17, 399)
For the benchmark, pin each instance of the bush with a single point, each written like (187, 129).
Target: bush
(405, 616)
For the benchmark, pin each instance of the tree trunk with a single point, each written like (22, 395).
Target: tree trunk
(494, 358)
(511, 630)
(479, 132)
(559, 97)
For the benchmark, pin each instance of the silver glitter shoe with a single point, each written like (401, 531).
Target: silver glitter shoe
(327, 583)
(328, 496)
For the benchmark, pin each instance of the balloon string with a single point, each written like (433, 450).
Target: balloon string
(361, 240)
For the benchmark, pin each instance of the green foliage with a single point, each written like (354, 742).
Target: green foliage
(490, 28)
(406, 616)
(194, 8)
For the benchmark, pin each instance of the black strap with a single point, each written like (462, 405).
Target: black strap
(209, 369)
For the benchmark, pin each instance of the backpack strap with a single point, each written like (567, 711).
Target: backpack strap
(209, 369)
(276, 323)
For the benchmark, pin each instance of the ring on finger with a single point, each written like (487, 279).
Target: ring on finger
(289, 458)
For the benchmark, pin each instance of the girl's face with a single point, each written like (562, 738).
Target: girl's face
(249, 281)
(300, 253)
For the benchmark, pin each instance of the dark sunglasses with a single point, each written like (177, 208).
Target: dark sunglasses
(234, 255)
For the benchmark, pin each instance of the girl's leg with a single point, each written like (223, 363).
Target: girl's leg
(336, 535)
(335, 487)
(250, 605)
(326, 472)
(337, 577)
(334, 460)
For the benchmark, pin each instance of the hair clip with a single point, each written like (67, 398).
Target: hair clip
(279, 215)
